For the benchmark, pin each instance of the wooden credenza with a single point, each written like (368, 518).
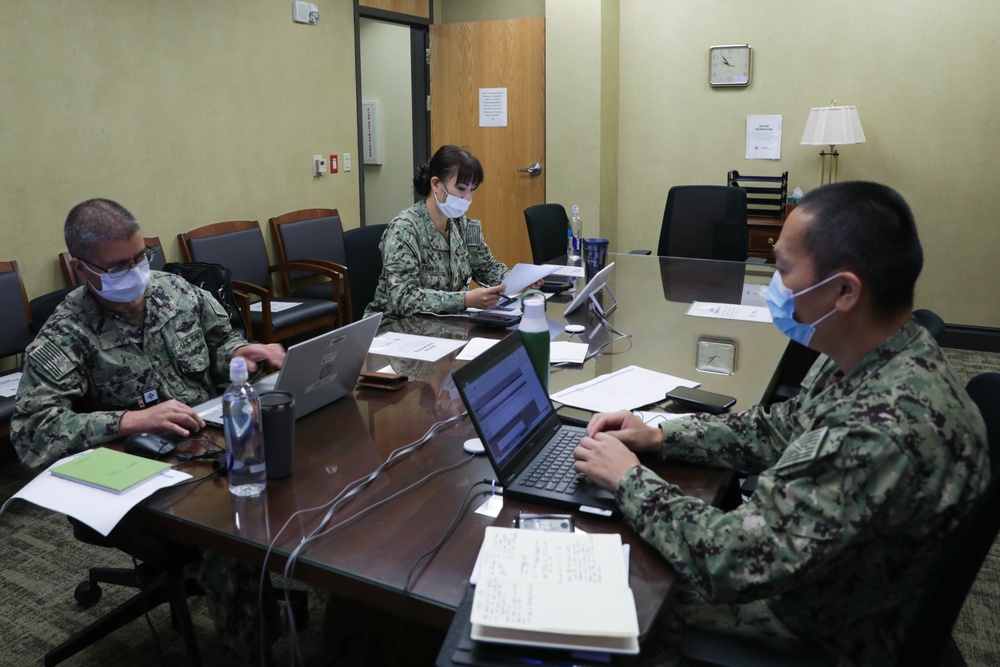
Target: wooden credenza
(763, 234)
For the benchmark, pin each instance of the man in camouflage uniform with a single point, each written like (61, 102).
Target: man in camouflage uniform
(130, 351)
(427, 270)
(863, 476)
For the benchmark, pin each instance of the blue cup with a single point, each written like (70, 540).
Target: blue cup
(595, 256)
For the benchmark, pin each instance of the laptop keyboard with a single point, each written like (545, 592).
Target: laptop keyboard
(553, 471)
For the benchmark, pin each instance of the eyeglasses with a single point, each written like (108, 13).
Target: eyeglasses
(146, 256)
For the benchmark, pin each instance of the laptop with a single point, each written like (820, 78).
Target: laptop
(317, 371)
(530, 448)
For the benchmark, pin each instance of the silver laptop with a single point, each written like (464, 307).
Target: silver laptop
(317, 371)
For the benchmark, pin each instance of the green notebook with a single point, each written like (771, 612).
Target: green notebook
(110, 469)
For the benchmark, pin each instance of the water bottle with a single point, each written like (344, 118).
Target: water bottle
(244, 442)
(534, 330)
(574, 235)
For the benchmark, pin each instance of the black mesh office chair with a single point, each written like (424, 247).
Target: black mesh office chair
(927, 640)
(547, 225)
(312, 235)
(364, 264)
(705, 222)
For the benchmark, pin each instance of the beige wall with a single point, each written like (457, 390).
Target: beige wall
(385, 77)
(914, 70)
(457, 11)
(186, 112)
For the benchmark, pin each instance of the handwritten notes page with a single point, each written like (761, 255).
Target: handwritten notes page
(545, 584)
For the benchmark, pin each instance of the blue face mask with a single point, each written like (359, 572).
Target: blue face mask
(124, 288)
(781, 303)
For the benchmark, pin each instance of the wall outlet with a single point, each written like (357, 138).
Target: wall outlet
(347, 161)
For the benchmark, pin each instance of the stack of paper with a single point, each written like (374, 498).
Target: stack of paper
(563, 590)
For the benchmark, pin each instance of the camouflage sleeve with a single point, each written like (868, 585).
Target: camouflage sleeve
(486, 269)
(45, 426)
(220, 337)
(401, 268)
(801, 519)
(749, 441)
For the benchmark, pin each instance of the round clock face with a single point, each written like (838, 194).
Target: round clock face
(730, 65)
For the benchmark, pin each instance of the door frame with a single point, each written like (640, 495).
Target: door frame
(420, 85)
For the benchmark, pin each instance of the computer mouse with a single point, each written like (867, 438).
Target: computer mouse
(149, 445)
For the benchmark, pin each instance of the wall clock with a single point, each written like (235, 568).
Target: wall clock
(716, 356)
(730, 65)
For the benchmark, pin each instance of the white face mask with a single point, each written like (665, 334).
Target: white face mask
(125, 288)
(452, 206)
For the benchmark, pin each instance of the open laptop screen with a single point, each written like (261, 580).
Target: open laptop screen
(508, 401)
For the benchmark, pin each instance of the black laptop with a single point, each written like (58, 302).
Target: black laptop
(530, 448)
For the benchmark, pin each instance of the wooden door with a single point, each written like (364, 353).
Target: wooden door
(466, 57)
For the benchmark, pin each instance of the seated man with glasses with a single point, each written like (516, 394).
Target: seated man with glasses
(128, 352)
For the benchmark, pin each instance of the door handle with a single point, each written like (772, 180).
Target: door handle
(535, 169)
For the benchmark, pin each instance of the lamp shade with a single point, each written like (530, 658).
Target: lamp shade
(833, 126)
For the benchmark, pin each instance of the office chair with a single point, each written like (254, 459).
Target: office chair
(705, 222)
(547, 225)
(15, 333)
(930, 321)
(364, 264)
(239, 246)
(165, 575)
(927, 639)
(156, 264)
(312, 235)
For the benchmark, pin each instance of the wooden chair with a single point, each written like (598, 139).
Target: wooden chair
(239, 246)
(15, 333)
(313, 235)
(69, 276)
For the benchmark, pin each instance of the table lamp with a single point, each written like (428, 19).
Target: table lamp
(832, 126)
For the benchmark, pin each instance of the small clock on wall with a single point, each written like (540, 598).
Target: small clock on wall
(730, 65)
(716, 356)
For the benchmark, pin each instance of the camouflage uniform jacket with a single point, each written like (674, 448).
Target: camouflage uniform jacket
(424, 271)
(862, 478)
(88, 366)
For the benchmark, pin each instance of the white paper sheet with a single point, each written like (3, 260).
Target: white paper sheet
(627, 389)
(408, 346)
(99, 509)
(568, 271)
(475, 347)
(566, 352)
(763, 137)
(8, 384)
(729, 311)
(523, 275)
(276, 306)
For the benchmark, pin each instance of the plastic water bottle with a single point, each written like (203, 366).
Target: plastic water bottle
(574, 238)
(534, 329)
(244, 442)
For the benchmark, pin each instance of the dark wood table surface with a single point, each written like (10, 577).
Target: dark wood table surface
(366, 555)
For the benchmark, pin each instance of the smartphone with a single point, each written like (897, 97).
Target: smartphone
(700, 400)
(557, 523)
(502, 320)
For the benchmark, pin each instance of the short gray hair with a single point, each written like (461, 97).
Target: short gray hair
(97, 221)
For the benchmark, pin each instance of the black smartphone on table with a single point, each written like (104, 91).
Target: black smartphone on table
(700, 400)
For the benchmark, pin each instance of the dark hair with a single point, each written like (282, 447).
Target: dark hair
(448, 160)
(97, 221)
(869, 229)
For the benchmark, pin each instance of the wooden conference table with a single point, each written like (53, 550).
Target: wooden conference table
(368, 559)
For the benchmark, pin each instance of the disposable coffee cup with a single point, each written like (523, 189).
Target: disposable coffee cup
(277, 416)
(595, 256)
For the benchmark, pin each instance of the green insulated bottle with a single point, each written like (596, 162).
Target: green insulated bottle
(534, 329)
